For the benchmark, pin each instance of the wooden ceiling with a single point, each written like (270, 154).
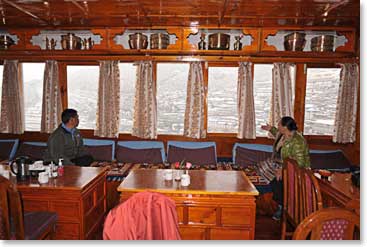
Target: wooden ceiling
(146, 13)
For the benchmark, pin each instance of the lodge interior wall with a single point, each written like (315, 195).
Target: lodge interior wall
(224, 142)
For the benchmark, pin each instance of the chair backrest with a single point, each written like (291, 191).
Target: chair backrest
(328, 224)
(140, 152)
(329, 159)
(34, 150)
(144, 216)
(250, 154)
(310, 197)
(8, 148)
(291, 190)
(11, 210)
(198, 153)
(101, 150)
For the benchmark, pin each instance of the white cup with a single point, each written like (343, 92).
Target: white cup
(6, 174)
(43, 177)
(185, 180)
(168, 174)
(1, 169)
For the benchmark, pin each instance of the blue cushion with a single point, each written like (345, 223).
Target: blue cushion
(99, 142)
(15, 143)
(143, 145)
(42, 144)
(257, 147)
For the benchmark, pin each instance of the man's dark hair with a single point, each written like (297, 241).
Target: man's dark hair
(289, 123)
(67, 114)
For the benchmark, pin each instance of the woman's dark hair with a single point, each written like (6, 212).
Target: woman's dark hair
(67, 114)
(289, 123)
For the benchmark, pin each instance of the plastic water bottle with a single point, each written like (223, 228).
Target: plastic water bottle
(60, 169)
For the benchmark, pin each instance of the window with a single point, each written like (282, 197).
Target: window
(321, 98)
(127, 95)
(83, 93)
(171, 97)
(262, 95)
(1, 84)
(33, 91)
(222, 100)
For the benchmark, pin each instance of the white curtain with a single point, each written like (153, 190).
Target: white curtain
(145, 108)
(51, 101)
(245, 102)
(195, 103)
(281, 97)
(12, 100)
(346, 109)
(108, 108)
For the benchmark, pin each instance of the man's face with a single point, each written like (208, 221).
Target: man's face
(75, 121)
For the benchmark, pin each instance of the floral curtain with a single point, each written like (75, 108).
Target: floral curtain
(145, 108)
(51, 102)
(281, 98)
(195, 102)
(12, 100)
(346, 110)
(108, 106)
(245, 102)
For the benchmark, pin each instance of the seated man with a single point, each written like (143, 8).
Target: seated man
(66, 142)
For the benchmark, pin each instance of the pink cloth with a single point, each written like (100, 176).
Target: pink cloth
(144, 216)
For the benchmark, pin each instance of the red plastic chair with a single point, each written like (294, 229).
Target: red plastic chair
(144, 216)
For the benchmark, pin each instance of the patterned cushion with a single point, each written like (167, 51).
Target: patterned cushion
(132, 155)
(197, 156)
(334, 229)
(34, 152)
(245, 156)
(100, 153)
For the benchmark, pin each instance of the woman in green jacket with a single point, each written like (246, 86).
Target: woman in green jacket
(289, 144)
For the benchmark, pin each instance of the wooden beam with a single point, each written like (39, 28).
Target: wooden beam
(300, 95)
(224, 9)
(85, 12)
(24, 11)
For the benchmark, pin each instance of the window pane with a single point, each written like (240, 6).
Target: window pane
(321, 98)
(83, 93)
(33, 90)
(222, 100)
(262, 95)
(127, 95)
(171, 97)
(1, 84)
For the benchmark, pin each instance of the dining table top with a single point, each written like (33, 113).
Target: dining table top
(74, 178)
(201, 182)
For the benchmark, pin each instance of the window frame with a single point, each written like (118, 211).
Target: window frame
(314, 66)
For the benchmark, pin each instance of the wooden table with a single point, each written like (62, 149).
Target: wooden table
(79, 198)
(340, 191)
(216, 205)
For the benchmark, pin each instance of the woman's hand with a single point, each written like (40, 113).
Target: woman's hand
(266, 127)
